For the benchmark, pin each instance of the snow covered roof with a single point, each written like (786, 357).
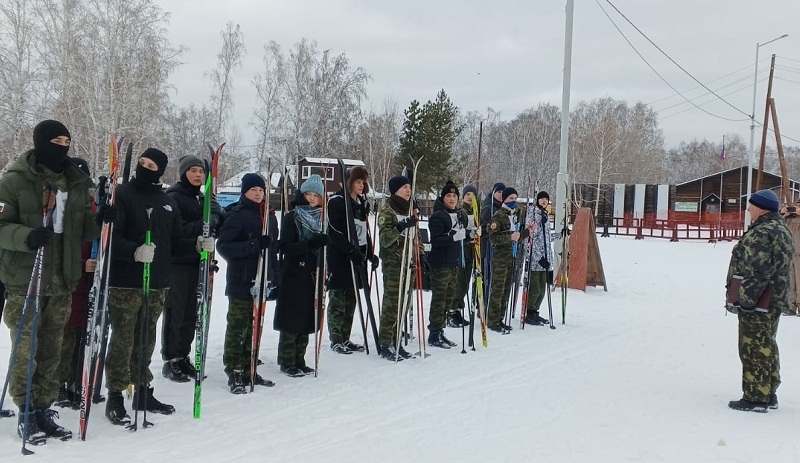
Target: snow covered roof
(347, 162)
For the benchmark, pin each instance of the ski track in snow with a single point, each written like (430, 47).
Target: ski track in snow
(641, 373)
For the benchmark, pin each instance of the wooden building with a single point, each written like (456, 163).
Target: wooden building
(699, 200)
(724, 192)
(327, 168)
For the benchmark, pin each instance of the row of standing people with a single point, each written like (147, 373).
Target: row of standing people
(174, 219)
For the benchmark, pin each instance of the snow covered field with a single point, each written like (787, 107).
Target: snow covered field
(640, 373)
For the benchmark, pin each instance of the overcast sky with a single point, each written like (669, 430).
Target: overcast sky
(508, 55)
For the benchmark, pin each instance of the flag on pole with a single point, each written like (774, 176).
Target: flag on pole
(722, 153)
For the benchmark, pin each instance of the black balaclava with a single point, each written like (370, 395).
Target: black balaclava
(145, 176)
(49, 154)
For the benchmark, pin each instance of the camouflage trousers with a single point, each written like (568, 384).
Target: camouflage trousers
(129, 356)
(758, 351)
(500, 290)
(70, 349)
(341, 309)
(238, 335)
(389, 304)
(445, 287)
(292, 349)
(537, 287)
(54, 312)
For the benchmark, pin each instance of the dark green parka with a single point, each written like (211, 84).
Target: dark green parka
(21, 211)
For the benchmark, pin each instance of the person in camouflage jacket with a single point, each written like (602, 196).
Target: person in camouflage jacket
(395, 226)
(760, 264)
(503, 235)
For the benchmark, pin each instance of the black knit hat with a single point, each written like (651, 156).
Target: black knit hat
(542, 194)
(449, 187)
(508, 191)
(395, 183)
(470, 189)
(187, 162)
(358, 173)
(158, 157)
(252, 180)
(499, 186)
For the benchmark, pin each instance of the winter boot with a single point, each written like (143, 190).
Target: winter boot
(404, 353)
(259, 381)
(541, 320)
(773, 401)
(291, 371)
(62, 400)
(391, 354)
(455, 319)
(45, 420)
(748, 405)
(340, 348)
(305, 369)
(353, 346)
(143, 399)
(186, 367)
(173, 371)
(35, 436)
(236, 382)
(115, 409)
(435, 339)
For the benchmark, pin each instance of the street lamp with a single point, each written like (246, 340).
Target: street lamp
(752, 131)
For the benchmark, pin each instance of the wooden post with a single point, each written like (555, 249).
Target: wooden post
(480, 144)
(766, 124)
(781, 160)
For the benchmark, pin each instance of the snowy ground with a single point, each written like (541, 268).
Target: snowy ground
(640, 373)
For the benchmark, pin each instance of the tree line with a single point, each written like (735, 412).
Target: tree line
(104, 66)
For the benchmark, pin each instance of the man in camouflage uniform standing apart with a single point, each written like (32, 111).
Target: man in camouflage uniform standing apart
(502, 235)
(40, 179)
(761, 262)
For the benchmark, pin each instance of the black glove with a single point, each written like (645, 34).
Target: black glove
(39, 237)
(356, 256)
(405, 223)
(263, 241)
(374, 261)
(106, 214)
(318, 241)
(544, 263)
(215, 208)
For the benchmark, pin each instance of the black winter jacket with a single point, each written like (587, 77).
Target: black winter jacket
(445, 253)
(294, 311)
(190, 209)
(340, 247)
(132, 201)
(238, 244)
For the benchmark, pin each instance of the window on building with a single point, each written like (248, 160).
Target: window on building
(325, 172)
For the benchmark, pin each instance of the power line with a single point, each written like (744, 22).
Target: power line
(718, 89)
(675, 62)
(660, 76)
(710, 81)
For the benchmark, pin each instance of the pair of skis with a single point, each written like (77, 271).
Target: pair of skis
(95, 340)
(478, 284)
(411, 249)
(205, 282)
